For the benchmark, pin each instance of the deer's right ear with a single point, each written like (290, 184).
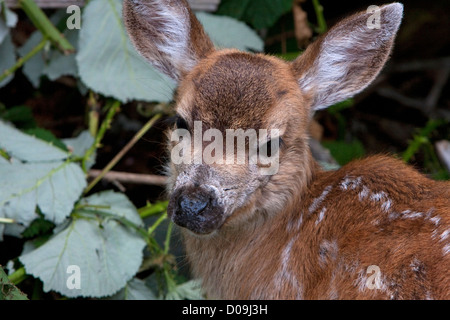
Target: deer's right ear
(167, 34)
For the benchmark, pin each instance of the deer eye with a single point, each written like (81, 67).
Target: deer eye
(181, 123)
(268, 146)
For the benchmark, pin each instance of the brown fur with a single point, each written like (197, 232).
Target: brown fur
(245, 264)
(301, 233)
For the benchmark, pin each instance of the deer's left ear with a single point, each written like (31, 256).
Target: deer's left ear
(348, 57)
(167, 34)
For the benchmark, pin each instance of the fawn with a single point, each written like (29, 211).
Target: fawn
(374, 229)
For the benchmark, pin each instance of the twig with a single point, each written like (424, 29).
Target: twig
(127, 177)
(113, 109)
(122, 152)
(321, 22)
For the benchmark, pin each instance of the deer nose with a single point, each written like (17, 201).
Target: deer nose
(193, 204)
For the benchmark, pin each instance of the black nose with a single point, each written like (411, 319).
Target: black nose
(193, 204)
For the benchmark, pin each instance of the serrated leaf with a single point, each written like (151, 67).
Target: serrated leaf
(80, 144)
(38, 227)
(227, 32)
(190, 290)
(107, 253)
(8, 19)
(8, 58)
(7, 290)
(118, 205)
(43, 178)
(135, 289)
(112, 66)
(22, 116)
(28, 148)
(49, 61)
(53, 187)
(60, 64)
(47, 136)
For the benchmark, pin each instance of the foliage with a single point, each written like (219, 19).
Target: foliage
(7, 290)
(260, 13)
(44, 196)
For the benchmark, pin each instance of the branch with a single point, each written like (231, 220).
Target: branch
(127, 177)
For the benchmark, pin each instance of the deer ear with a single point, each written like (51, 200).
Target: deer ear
(167, 34)
(348, 57)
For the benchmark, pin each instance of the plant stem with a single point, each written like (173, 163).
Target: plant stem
(93, 113)
(421, 138)
(167, 241)
(152, 209)
(7, 220)
(18, 276)
(122, 152)
(41, 22)
(20, 62)
(321, 22)
(106, 124)
(156, 224)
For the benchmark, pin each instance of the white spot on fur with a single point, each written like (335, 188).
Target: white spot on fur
(284, 275)
(328, 250)
(363, 193)
(435, 220)
(408, 214)
(445, 235)
(317, 201)
(295, 224)
(446, 249)
(350, 183)
(321, 215)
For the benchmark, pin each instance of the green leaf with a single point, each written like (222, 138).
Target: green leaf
(227, 32)
(8, 19)
(190, 290)
(22, 116)
(111, 66)
(63, 64)
(8, 58)
(50, 62)
(80, 144)
(53, 187)
(28, 148)
(258, 13)
(135, 289)
(107, 253)
(32, 69)
(7, 290)
(38, 227)
(38, 175)
(47, 136)
(344, 152)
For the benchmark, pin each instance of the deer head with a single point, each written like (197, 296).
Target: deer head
(224, 90)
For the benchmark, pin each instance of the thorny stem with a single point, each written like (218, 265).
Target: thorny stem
(122, 152)
(106, 124)
(44, 25)
(153, 209)
(18, 276)
(20, 62)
